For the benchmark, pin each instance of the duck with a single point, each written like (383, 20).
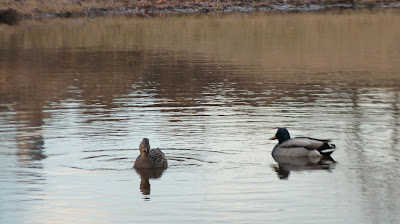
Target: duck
(301, 146)
(150, 159)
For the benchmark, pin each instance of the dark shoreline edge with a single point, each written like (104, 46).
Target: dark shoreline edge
(13, 17)
(154, 12)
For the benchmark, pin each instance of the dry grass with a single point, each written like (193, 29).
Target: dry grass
(37, 7)
(83, 7)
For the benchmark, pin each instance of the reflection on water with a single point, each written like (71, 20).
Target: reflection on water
(297, 164)
(145, 176)
(73, 106)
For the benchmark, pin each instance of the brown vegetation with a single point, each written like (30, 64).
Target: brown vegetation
(67, 8)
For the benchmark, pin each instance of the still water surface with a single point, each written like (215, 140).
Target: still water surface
(77, 96)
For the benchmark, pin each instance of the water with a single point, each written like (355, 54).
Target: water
(78, 95)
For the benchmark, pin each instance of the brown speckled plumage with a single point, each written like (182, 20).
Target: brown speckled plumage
(150, 159)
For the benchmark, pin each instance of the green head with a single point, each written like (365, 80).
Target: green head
(282, 135)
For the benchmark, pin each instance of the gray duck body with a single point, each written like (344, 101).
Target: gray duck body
(302, 146)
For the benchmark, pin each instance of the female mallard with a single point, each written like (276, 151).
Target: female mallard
(150, 159)
(302, 146)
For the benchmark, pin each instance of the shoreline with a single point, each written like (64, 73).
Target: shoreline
(12, 12)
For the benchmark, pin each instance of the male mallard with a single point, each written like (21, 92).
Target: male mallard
(150, 159)
(302, 146)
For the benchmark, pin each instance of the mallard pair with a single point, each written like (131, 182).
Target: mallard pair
(301, 146)
(295, 147)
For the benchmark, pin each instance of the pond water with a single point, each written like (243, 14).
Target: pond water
(78, 95)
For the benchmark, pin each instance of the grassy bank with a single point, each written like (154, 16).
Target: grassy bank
(67, 8)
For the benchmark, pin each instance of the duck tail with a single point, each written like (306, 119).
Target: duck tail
(326, 149)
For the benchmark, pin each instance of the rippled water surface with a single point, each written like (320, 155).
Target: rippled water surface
(77, 96)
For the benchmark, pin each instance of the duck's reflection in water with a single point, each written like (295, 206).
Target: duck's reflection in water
(288, 164)
(145, 176)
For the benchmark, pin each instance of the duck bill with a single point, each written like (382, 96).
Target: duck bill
(273, 138)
